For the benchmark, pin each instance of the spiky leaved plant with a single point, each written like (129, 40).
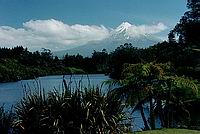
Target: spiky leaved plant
(82, 111)
(6, 118)
(32, 114)
(86, 111)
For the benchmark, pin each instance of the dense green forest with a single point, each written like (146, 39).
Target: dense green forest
(165, 76)
(181, 51)
(18, 63)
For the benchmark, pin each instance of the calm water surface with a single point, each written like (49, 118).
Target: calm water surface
(12, 92)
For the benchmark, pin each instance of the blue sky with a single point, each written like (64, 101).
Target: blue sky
(109, 13)
(106, 12)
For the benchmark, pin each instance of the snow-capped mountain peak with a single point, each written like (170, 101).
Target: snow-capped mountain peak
(126, 30)
(138, 36)
(122, 31)
(123, 27)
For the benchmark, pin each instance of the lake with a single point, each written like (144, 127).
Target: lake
(12, 92)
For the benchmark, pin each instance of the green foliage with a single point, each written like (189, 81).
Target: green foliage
(188, 31)
(170, 131)
(142, 76)
(124, 54)
(189, 26)
(82, 111)
(6, 118)
(12, 70)
(18, 63)
(73, 70)
(183, 86)
(143, 83)
(100, 59)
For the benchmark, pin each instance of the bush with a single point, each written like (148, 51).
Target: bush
(82, 111)
(6, 119)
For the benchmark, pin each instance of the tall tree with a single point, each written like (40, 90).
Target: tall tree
(155, 85)
(188, 28)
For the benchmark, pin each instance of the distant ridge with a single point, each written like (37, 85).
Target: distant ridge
(119, 36)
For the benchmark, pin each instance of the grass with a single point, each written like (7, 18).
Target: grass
(170, 131)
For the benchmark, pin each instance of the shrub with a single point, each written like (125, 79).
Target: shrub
(6, 118)
(81, 111)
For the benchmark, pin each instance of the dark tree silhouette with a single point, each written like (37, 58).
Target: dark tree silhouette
(188, 28)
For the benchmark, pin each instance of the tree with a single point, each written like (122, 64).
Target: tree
(187, 31)
(156, 85)
(136, 87)
(124, 54)
(188, 28)
(100, 59)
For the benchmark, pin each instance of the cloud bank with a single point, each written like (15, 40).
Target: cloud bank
(146, 29)
(56, 35)
(132, 30)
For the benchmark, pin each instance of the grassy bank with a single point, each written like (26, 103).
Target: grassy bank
(170, 131)
(12, 70)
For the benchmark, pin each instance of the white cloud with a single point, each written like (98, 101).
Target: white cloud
(56, 35)
(137, 30)
(51, 34)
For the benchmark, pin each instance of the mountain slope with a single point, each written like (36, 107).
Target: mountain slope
(119, 36)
